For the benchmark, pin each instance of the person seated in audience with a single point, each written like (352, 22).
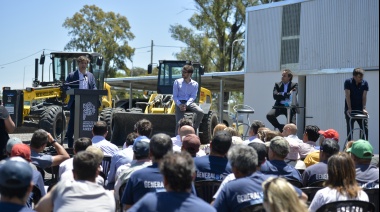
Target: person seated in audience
(293, 158)
(178, 173)
(65, 171)
(15, 184)
(276, 165)
(140, 160)
(367, 175)
(217, 128)
(236, 139)
(341, 184)
(313, 157)
(269, 135)
(99, 132)
(148, 179)
(318, 171)
(253, 132)
(81, 194)
(310, 138)
(289, 132)
(215, 166)
(261, 151)
(11, 142)
(22, 151)
(38, 142)
(191, 144)
(177, 139)
(261, 133)
(279, 195)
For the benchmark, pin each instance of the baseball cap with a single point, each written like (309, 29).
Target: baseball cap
(11, 142)
(361, 149)
(141, 146)
(330, 133)
(21, 150)
(99, 155)
(15, 173)
(280, 146)
(191, 143)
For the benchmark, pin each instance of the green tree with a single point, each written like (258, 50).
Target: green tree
(108, 33)
(220, 22)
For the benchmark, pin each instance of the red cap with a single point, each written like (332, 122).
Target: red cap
(21, 150)
(330, 133)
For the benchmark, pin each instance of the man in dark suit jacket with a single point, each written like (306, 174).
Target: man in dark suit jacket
(81, 79)
(281, 93)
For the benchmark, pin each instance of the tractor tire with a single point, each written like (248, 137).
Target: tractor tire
(51, 121)
(106, 116)
(206, 127)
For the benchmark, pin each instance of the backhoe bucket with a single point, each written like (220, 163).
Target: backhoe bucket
(123, 124)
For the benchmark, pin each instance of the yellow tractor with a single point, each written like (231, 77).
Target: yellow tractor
(160, 107)
(44, 104)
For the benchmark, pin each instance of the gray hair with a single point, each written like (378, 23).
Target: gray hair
(243, 158)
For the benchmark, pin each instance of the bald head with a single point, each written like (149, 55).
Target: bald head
(186, 130)
(289, 129)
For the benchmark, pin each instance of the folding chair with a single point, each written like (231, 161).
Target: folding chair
(206, 189)
(347, 205)
(253, 208)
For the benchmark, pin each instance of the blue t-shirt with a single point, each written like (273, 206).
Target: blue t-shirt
(367, 174)
(280, 168)
(315, 173)
(211, 168)
(241, 192)
(143, 181)
(38, 182)
(11, 207)
(356, 93)
(171, 201)
(41, 160)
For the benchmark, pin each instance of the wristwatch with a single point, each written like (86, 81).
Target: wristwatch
(53, 141)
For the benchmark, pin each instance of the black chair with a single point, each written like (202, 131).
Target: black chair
(296, 183)
(206, 189)
(121, 191)
(106, 164)
(310, 192)
(373, 195)
(253, 208)
(318, 183)
(347, 205)
(36, 196)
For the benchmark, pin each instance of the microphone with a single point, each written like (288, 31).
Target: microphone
(85, 77)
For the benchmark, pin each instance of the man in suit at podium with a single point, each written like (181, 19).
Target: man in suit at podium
(81, 79)
(282, 94)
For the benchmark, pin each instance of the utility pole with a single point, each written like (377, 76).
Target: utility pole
(151, 53)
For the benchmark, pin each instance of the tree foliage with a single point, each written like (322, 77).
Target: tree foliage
(108, 33)
(221, 22)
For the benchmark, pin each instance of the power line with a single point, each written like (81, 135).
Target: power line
(50, 50)
(171, 46)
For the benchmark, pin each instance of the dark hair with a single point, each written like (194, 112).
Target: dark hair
(13, 192)
(39, 138)
(81, 144)
(178, 169)
(261, 151)
(160, 144)
(329, 147)
(312, 132)
(188, 68)
(358, 71)
(144, 127)
(100, 128)
(289, 72)
(256, 124)
(184, 121)
(221, 142)
(243, 158)
(131, 138)
(85, 165)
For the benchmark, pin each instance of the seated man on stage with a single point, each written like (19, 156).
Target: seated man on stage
(282, 93)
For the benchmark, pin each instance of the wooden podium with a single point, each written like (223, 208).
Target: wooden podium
(86, 110)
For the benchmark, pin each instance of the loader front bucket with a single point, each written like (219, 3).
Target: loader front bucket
(123, 124)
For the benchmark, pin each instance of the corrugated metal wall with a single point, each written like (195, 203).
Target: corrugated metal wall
(264, 45)
(339, 34)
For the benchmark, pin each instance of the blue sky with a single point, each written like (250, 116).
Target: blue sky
(28, 27)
